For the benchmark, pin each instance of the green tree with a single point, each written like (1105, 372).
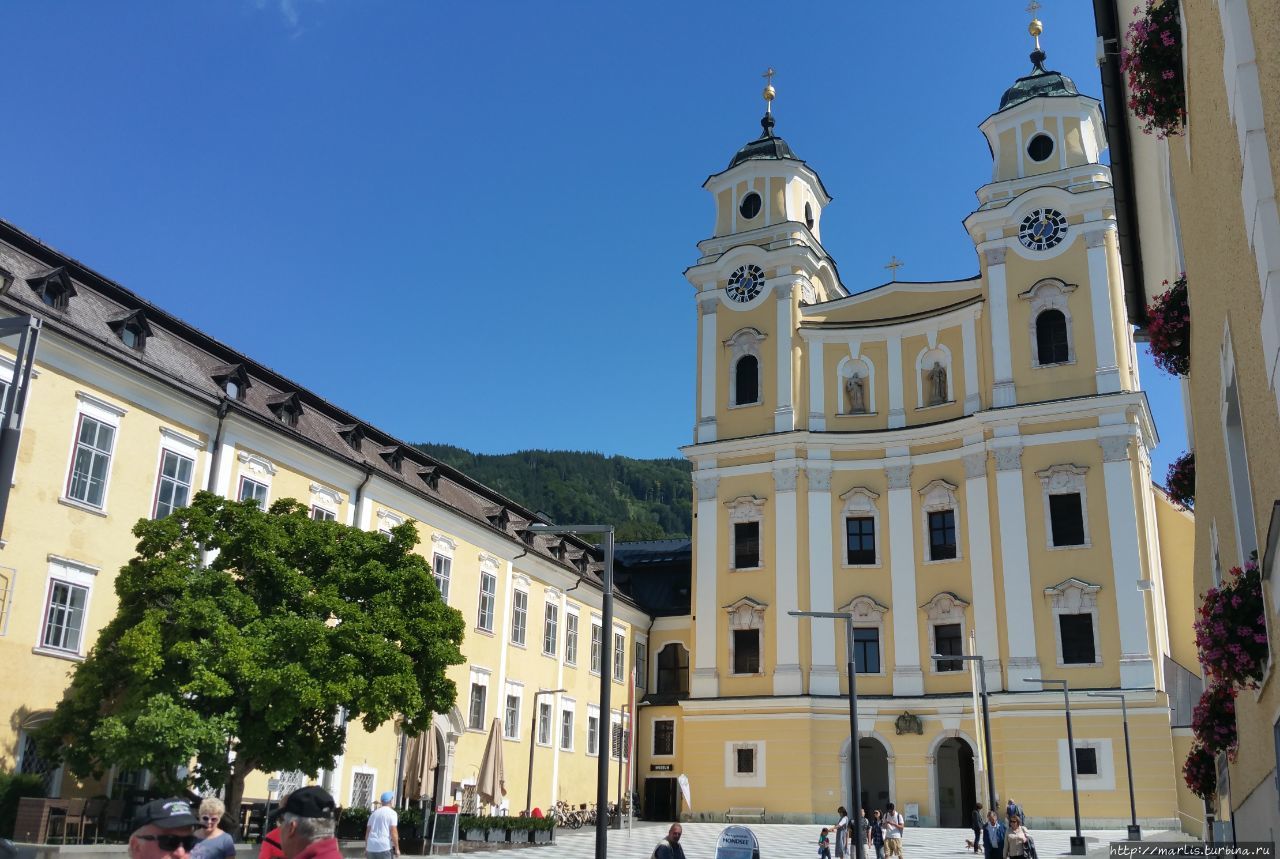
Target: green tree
(255, 660)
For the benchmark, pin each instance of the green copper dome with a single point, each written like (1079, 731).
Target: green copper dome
(1037, 84)
(764, 146)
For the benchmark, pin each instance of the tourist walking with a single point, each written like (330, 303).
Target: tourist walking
(976, 825)
(875, 836)
(163, 829)
(1017, 841)
(212, 841)
(669, 847)
(894, 824)
(1013, 810)
(993, 836)
(307, 825)
(382, 834)
(842, 832)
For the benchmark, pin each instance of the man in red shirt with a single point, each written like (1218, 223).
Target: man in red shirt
(307, 825)
(270, 848)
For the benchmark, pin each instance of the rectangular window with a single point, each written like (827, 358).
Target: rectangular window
(484, 614)
(746, 651)
(571, 639)
(617, 737)
(745, 761)
(664, 737)
(362, 790)
(441, 569)
(1066, 516)
(551, 630)
(544, 723)
(511, 717)
(252, 490)
(64, 617)
(1086, 761)
(1077, 639)
(619, 657)
(866, 651)
(642, 663)
(942, 535)
(946, 640)
(89, 467)
(597, 644)
(566, 728)
(593, 730)
(746, 545)
(173, 488)
(519, 616)
(860, 532)
(475, 716)
(322, 515)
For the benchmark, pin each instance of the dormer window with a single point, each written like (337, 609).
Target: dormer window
(286, 407)
(498, 517)
(54, 288)
(132, 330)
(430, 475)
(233, 380)
(393, 456)
(352, 434)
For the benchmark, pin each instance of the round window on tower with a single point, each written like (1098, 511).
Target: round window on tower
(750, 206)
(1040, 147)
(808, 215)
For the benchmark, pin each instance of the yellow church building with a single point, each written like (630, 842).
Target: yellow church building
(963, 466)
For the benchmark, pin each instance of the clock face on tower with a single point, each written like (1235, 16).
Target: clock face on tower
(745, 283)
(1043, 229)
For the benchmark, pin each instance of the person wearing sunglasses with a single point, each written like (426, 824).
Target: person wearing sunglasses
(214, 843)
(163, 829)
(307, 825)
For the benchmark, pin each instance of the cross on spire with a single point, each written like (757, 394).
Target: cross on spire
(769, 91)
(893, 266)
(1035, 28)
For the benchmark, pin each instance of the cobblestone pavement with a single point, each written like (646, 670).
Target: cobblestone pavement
(777, 840)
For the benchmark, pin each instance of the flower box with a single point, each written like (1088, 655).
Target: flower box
(1200, 772)
(1151, 58)
(495, 834)
(1169, 329)
(1231, 631)
(1180, 481)
(1213, 722)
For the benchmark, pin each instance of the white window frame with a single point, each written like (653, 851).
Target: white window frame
(869, 614)
(1049, 294)
(256, 469)
(388, 521)
(166, 451)
(619, 655)
(104, 413)
(571, 612)
(323, 514)
(546, 725)
(359, 770)
(860, 503)
(246, 481)
(593, 714)
(741, 343)
(551, 626)
(1064, 479)
(938, 496)
(443, 549)
(519, 617)
(1236, 448)
(479, 677)
(73, 574)
(640, 660)
(596, 653)
(934, 352)
(514, 689)
(743, 509)
(1106, 777)
(492, 594)
(849, 365)
(567, 705)
(1075, 596)
(945, 608)
(746, 614)
(178, 444)
(327, 500)
(653, 739)
(734, 779)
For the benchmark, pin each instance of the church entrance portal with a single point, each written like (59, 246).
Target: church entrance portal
(955, 780)
(873, 758)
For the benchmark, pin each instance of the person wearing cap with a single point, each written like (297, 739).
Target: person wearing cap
(162, 828)
(307, 825)
(270, 848)
(382, 837)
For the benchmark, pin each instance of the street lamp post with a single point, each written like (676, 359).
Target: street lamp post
(533, 744)
(1077, 840)
(986, 721)
(855, 764)
(1135, 831)
(606, 624)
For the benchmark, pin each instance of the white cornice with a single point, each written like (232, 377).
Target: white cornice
(766, 168)
(923, 324)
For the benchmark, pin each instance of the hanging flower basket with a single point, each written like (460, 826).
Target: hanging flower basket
(1180, 481)
(1151, 57)
(1231, 632)
(1169, 329)
(1213, 721)
(1200, 772)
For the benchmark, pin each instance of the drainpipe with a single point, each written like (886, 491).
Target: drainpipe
(359, 493)
(215, 461)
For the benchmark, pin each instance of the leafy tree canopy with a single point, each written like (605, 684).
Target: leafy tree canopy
(294, 626)
(645, 499)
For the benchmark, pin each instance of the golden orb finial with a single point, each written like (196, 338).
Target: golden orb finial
(769, 92)
(1036, 27)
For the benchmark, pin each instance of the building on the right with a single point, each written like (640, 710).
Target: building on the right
(1193, 101)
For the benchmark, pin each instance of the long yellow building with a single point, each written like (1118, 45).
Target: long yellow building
(950, 462)
(130, 411)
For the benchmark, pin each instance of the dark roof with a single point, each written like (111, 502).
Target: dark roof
(186, 359)
(658, 574)
(765, 146)
(1040, 83)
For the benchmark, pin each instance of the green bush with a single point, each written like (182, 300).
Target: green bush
(516, 824)
(352, 822)
(410, 820)
(13, 787)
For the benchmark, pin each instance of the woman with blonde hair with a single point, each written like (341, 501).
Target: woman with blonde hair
(214, 842)
(1017, 841)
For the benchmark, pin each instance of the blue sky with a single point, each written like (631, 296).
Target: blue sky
(467, 222)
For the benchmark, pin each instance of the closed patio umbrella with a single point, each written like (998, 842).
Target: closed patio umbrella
(417, 767)
(491, 783)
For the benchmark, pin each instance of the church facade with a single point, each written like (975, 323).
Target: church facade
(961, 466)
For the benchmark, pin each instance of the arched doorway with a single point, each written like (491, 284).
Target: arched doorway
(876, 774)
(954, 777)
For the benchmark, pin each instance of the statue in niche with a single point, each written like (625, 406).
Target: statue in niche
(937, 384)
(855, 393)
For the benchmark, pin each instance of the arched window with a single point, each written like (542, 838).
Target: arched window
(673, 670)
(1051, 337)
(746, 374)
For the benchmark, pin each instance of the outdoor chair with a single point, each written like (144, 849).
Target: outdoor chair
(94, 812)
(114, 824)
(73, 820)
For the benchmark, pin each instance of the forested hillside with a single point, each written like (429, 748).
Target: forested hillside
(647, 499)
